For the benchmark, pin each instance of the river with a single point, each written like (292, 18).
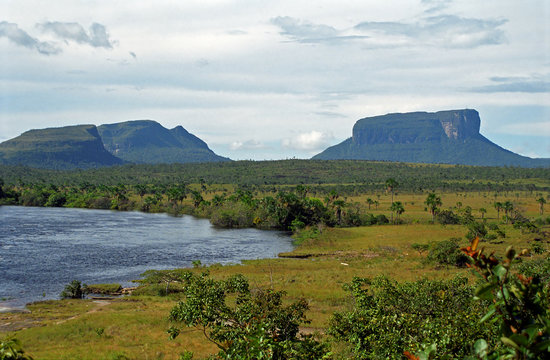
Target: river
(43, 249)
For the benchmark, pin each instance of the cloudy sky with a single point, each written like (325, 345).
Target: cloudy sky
(276, 79)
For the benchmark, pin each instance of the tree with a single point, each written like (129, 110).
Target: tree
(141, 190)
(483, 211)
(74, 290)
(541, 202)
(391, 184)
(370, 202)
(244, 324)
(433, 202)
(508, 207)
(398, 208)
(197, 198)
(498, 207)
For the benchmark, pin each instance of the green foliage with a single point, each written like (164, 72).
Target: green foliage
(74, 290)
(391, 317)
(433, 202)
(518, 304)
(244, 324)
(447, 217)
(420, 247)
(232, 215)
(447, 252)
(106, 289)
(348, 175)
(11, 349)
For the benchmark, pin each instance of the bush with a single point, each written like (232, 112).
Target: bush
(382, 219)
(11, 349)
(248, 325)
(391, 317)
(447, 217)
(447, 252)
(74, 290)
(232, 215)
(56, 200)
(107, 289)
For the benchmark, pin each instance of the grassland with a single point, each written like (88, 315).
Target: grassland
(134, 327)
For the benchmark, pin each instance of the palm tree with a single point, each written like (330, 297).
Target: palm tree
(483, 211)
(498, 207)
(391, 184)
(338, 207)
(398, 208)
(508, 207)
(370, 202)
(434, 202)
(541, 201)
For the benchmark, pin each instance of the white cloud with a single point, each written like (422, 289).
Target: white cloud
(97, 36)
(246, 145)
(310, 141)
(244, 74)
(20, 37)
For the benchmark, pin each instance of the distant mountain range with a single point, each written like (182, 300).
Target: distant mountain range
(445, 137)
(88, 146)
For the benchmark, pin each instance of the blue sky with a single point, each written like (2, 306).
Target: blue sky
(274, 80)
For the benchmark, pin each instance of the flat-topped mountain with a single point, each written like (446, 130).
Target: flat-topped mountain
(146, 141)
(58, 148)
(446, 137)
(88, 146)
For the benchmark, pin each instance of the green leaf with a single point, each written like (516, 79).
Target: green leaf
(484, 291)
(480, 347)
(500, 271)
(490, 313)
(509, 342)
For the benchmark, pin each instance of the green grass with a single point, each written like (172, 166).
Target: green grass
(136, 326)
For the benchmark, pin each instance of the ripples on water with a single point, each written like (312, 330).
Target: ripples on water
(43, 249)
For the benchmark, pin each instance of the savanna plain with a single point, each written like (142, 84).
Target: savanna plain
(385, 253)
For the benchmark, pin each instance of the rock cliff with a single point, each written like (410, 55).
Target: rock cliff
(448, 137)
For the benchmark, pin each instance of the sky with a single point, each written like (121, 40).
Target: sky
(268, 80)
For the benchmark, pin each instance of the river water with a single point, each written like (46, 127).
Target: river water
(43, 249)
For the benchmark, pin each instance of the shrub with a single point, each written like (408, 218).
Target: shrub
(519, 305)
(244, 324)
(447, 252)
(74, 290)
(382, 219)
(56, 200)
(11, 349)
(390, 317)
(447, 217)
(232, 215)
(107, 289)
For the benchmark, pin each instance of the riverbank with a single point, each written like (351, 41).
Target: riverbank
(135, 326)
(44, 249)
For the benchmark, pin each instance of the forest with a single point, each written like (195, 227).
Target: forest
(391, 261)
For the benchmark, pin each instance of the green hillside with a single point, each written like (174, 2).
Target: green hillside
(58, 148)
(148, 142)
(445, 137)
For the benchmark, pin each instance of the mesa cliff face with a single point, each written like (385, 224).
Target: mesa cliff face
(58, 148)
(447, 137)
(146, 141)
(88, 146)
